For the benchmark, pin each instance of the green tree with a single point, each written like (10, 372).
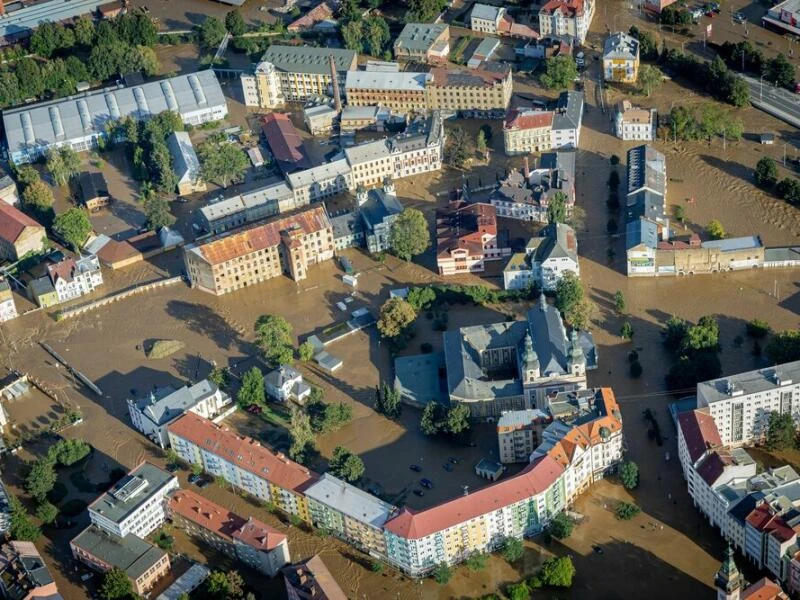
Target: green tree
(625, 511)
(84, 31)
(396, 318)
(480, 142)
(650, 78)
(442, 574)
(629, 475)
(222, 161)
(431, 420)
(758, 329)
(519, 591)
(459, 148)
(220, 376)
(157, 212)
(715, 230)
(789, 190)
(62, 164)
(69, 451)
(457, 419)
(780, 71)
(626, 332)
(477, 561)
(424, 11)
(512, 550)
(409, 235)
(305, 352)
(557, 572)
(274, 338)
(701, 337)
(560, 526)
(21, 527)
(619, 302)
(234, 22)
(353, 35)
(738, 92)
(784, 347)
(557, 208)
(421, 298)
(116, 585)
(679, 212)
(46, 512)
(41, 478)
(327, 417)
(569, 292)
(346, 465)
(77, 69)
(27, 174)
(376, 35)
(44, 40)
(648, 48)
(211, 33)
(780, 431)
(301, 434)
(73, 227)
(252, 390)
(766, 172)
(560, 72)
(387, 401)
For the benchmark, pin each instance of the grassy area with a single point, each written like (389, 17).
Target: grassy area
(456, 54)
(277, 415)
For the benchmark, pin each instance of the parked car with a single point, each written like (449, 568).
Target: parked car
(419, 493)
(597, 549)
(448, 467)
(453, 460)
(739, 17)
(202, 483)
(415, 468)
(193, 479)
(426, 483)
(172, 467)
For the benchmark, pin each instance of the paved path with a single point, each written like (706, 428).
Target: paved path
(776, 101)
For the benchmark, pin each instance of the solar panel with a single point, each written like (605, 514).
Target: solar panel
(129, 487)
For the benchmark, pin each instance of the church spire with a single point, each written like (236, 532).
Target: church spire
(728, 580)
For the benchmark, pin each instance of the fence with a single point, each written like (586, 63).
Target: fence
(79, 310)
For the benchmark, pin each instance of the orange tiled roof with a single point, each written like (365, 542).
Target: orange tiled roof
(569, 8)
(259, 535)
(246, 453)
(529, 119)
(699, 431)
(205, 513)
(764, 589)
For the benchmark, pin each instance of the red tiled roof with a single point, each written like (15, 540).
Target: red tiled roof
(246, 453)
(535, 479)
(267, 235)
(312, 579)
(321, 12)
(759, 517)
(699, 431)
(61, 270)
(285, 142)
(259, 535)
(529, 119)
(462, 226)
(13, 222)
(764, 589)
(569, 8)
(205, 513)
(712, 467)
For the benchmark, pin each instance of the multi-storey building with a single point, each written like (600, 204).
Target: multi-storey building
(285, 384)
(378, 209)
(311, 580)
(68, 279)
(239, 210)
(482, 89)
(426, 42)
(486, 18)
(185, 164)
(8, 310)
(560, 18)
(402, 92)
(526, 131)
(467, 237)
(242, 462)
(349, 513)
(24, 574)
(515, 365)
(741, 404)
(567, 119)
(646, 219)
(516, 433)
(295, 73)
(234, 260)
(258, 545)
(635, 123)
(545, 261)
(621, 58)
(152, 413)
(19, 234)
(135, 505)
(320, 182)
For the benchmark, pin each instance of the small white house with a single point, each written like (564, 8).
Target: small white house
(286, 383)
(486, 18)
(74, 278)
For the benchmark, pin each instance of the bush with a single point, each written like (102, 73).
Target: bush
(626, 511)
(629, 475)
(442, 574)
(560, 526)
(758, 329)
(478, 561)
(512, 550)
(518, 591)
(426, 348)
(636, 369)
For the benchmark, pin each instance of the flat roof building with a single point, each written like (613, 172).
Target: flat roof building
(428, 42)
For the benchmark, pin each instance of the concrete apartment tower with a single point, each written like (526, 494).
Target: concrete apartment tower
(337, 99)
(728, 580)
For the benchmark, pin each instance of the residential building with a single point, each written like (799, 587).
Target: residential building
(284, 143)
(567, 118)
(152, 413)
(485, 18)
(483, 52)
(268, 201)
(185, 164)
(242, 462)
(296, 73)
(467, 237)
(8, 310)
(320, 17)
(621, 58)
(19, 234)
(545, 261)
(515, 365)
(566, 18)
(285, 383)
(784, 16)
(423, 42)
(635, 123)
(320, 118)
(94, 190)
(378, 209)
(79, 121)
(24, 574)
(516, 434)
(356, 118)
(657, 5)
(311, 580)
(135, 504)
(741, 404)
(8, 190)
(320, 182)
(488, 88)
(645, 202)
(143, 563)
(526, 131)
(258, 545)
(526, 196)
(349, 513)
(233, 260)
(348, 230)
(67, 280)
(402, 92)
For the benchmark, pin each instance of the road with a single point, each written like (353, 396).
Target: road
(776, 101)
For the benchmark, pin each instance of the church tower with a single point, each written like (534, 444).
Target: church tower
(577, 359)
(728, 580)
(530, 362)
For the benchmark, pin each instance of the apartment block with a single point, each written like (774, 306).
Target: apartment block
(401, 92)
(241, 209)
(516, 434)
(566, 18)
(295, 73)
(242, 462)
(320, 182)
(136, 503)
(426, 42)
(287, 245)
(526, 131)
(485, 18)
(480, 89)
(467, 237)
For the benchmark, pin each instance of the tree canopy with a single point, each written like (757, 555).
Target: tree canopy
(387, 401)
(424, 11)
(211, 32)
(766, 174)
(274, 338)
(396, 317)
(560, 72)
(157, 213)
(222, 161)
(557, 572)
(346, 465)
(781, 433)
(62, 163)
(234, 22)
(116, 585)
(650, 78)
(252, 390)
(409, 235)
(784, 347)
(73, 227)
(629, 475)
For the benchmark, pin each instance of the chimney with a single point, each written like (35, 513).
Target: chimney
(337, 101)
(527, 170)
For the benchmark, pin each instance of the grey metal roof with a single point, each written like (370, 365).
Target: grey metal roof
(41, 286)
(281, 375)
(641, 231)
(132, 554)
(386, 80)
(647, 168)
(733, 244)
(325, 172)
(346, 224)
(92, 185)
(418, 379)
(308, 59)
(170, 404)
(360, 112)
(487, 46)
(782, 254)
(745, 506)
(186, 583)
(184, 158)
(379, 207)
(520, 418)
(133, 490)
(349, 500)
(750, 382)
(367, 152)
(418, 37)
(568, 111)
(485, 11)
(20, 23)
(84, 115)
(560, 242)
(621, 46)
(644, 203)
